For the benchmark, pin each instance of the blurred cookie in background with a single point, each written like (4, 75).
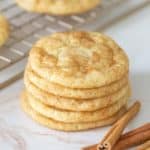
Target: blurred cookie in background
(58, 7)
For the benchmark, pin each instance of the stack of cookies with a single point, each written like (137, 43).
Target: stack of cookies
(76, 81)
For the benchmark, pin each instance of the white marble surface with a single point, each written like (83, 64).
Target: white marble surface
(18, 132)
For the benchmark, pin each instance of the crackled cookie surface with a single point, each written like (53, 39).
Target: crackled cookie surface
(79, 59)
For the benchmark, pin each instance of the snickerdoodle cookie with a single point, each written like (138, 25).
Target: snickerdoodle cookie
(79, 59)
(58, 7)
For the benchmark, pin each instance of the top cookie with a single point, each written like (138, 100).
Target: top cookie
(58, 7)
(4, 30)
(79, 59)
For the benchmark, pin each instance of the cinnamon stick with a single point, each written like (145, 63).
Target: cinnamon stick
(115, 132)
(144, 146)
(145, 127)
(131, 137)
(131, 141)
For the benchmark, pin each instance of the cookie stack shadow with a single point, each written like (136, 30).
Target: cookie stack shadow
(62, 100)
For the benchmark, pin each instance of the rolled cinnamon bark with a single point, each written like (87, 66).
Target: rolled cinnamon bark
(133, 140)
(129, 139)
(115, 132)
(144, 146)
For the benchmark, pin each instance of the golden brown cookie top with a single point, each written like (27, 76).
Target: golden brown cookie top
(79, 59)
